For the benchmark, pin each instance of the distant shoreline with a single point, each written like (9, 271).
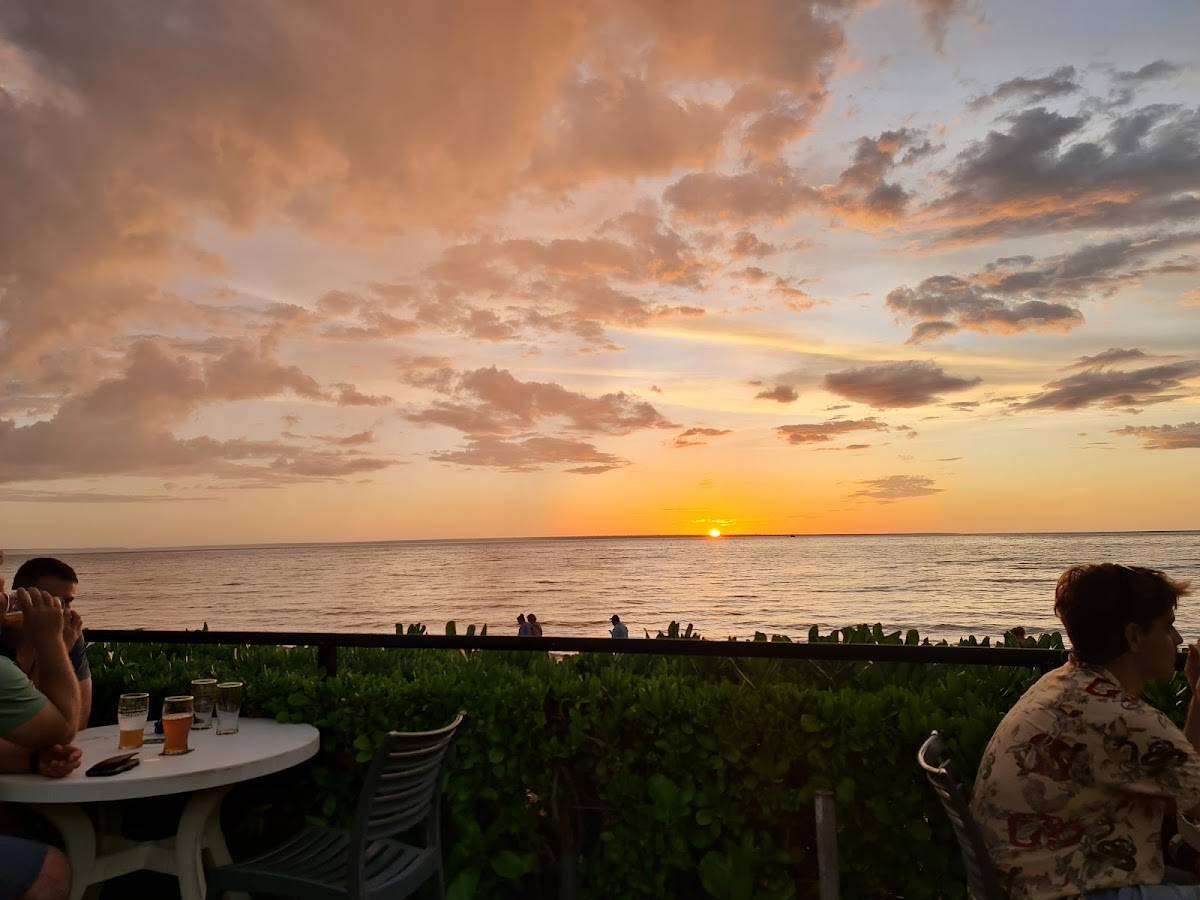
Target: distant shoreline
(581, 537)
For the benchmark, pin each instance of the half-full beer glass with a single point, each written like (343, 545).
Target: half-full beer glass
(205, 692)
(177, 722)
(14, 618)
(229, 706)
(132, 712)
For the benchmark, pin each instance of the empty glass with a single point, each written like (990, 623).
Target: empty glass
(177, 721)
(229, 706)
(132, 712)
(205, 692)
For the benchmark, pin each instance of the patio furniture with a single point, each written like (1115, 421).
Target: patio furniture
(401, 794)
(98, 851)
(982, 883)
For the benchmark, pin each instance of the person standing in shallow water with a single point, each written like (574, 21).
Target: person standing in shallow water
(618, 627)
(523, 626)
(535, 627)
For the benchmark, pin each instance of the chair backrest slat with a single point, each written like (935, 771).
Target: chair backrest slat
(982, 882)
(401, 789)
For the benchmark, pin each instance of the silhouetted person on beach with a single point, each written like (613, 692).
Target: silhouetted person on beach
(523, 627)
(535, 627)
(618, 630)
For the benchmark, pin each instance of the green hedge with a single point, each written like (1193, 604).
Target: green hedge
(625, 776)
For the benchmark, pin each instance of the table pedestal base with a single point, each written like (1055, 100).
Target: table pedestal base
(99, 852)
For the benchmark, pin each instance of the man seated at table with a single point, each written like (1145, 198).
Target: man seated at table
(54, 577)
(1075, 782)
(38, 726)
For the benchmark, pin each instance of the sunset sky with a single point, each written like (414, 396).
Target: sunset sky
(284, 271)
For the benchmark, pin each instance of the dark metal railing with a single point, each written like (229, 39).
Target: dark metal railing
(328, 642)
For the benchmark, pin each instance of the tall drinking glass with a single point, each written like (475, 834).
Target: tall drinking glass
(205, 692)
(229, 706)
(14, 619)
(177, 722)
(132, 712)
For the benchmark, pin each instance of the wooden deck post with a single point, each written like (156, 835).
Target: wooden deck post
(327, 659)
(827, 855)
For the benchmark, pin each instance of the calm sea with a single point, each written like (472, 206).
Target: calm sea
(944, 585)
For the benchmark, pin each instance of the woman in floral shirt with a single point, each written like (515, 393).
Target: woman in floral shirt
(1076, 780)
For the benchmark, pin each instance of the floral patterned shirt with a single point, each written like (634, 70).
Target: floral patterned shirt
(1072, 788)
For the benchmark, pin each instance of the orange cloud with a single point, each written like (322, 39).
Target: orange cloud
(823, 432)
(1185, 435)
(765, 193)
(124, 425)
(627, 128)
(241, 126)
(698, 437)
(897, 487)
(493, 401)
(531, 454)
(895, 384)
(1101, 384)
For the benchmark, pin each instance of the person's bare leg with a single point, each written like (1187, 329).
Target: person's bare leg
(54, 881)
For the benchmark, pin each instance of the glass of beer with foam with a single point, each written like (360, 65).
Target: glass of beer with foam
(176, 722)
(132, 712)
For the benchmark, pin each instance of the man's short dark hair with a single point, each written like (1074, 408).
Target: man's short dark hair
(1096, 602)
(34, 570)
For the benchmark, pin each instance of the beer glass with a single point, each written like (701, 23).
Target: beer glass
(177, 722)
(229, 706)
(14, 619)
(205, 692)
(132, 712)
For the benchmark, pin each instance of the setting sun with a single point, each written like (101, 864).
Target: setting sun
(714, 532)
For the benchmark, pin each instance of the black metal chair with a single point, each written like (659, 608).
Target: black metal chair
(982, 882)
(401, 792)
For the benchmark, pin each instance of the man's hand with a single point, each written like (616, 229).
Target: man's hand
(72, 627)
(59, 760)
(1191, 669)
(43, 616)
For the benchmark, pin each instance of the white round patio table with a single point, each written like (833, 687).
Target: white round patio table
(97, 850)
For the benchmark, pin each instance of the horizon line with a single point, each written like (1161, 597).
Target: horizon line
(167, 548)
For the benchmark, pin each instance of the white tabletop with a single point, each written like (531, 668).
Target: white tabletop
(261, 747)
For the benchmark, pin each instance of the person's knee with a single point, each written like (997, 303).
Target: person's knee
(54, 881)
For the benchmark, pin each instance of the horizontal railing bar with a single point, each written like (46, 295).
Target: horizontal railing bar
(899, 653)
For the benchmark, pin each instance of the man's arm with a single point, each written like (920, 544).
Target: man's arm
(1191, 727)
(54, 761)
(14, 758)
(1191, 671)
(27, 718)
(44, 625)
(73, 638)
(85, 702)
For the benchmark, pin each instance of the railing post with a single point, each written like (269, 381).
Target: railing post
(327, 659)
(827, 855)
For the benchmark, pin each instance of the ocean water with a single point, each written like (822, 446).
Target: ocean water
(943, 585)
